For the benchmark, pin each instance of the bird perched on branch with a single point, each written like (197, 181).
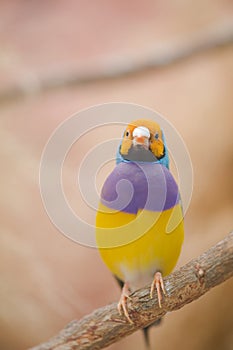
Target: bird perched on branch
(139, 223)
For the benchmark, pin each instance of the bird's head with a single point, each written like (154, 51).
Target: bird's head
(143, 141)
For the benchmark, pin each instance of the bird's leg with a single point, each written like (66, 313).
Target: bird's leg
(122, 305)
(158, 284)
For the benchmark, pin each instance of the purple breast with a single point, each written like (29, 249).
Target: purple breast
(134, 186)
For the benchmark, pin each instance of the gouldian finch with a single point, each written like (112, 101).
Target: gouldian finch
(139, 222)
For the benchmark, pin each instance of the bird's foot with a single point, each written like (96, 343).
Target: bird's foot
(159, 285)
(122, 305)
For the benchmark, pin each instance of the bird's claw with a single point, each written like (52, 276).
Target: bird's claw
(122, 305)
(158, 284)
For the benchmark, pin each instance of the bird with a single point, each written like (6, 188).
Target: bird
(139, 220)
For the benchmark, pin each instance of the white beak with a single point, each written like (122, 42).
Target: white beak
(141, 136)
(141, 131)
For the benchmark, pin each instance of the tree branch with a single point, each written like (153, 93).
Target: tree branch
(105, 326)
(218, 37)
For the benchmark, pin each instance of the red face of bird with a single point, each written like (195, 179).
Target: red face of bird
(143, 134)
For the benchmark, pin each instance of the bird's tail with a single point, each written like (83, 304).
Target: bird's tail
(146, 337)
(146, 333)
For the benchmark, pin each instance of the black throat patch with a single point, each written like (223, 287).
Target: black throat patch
(139, 154)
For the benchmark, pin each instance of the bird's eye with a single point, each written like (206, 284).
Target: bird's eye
(156, 135)
(127, 133)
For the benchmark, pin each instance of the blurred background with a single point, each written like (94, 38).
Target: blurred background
(58, 57)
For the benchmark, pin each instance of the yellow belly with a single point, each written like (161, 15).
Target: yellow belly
(157, 248)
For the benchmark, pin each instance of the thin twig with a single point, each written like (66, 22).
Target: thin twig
(104, 326)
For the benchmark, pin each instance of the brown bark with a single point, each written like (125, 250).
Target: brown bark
(105, 326)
